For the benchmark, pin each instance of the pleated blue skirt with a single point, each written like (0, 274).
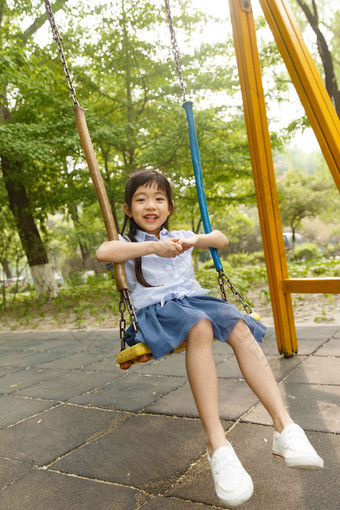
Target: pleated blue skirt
(163, 328)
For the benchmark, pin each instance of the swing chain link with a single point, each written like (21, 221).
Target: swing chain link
(122, 322)
(222, 279)
(130, 309)
(175, 50)
(125, 304)
(57, 37)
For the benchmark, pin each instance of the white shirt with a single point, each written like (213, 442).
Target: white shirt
(173, 278)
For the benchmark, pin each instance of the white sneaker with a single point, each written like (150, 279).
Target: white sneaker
(233, 485)
(294, 447)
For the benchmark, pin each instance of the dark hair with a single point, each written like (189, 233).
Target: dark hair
(144, 178)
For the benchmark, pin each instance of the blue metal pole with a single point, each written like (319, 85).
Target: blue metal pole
(196, 163)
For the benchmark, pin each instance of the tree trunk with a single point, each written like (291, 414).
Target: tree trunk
(42, 275)
(325, 54)
(6, 268)
(85, 255)
(84, 249)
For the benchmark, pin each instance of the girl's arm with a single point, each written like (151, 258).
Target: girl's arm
(120, 251)
(214, 239)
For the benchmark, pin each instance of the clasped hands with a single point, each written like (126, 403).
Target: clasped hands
(171, 248)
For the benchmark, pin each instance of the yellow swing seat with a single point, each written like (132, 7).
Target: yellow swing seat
(140, 353)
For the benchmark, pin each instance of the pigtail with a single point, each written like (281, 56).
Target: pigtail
(138, 265)
(138, 261)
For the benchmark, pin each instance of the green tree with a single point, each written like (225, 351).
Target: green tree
(124, 74)
(301, 196)
(23, 147)
(127, 80)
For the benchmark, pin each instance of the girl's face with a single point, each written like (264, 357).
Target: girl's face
(149, 208)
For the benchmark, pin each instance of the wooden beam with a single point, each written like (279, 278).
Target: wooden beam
(311, 285)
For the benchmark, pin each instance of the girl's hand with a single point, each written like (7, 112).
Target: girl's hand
(214, 239)
(168, 248)
(189, 242)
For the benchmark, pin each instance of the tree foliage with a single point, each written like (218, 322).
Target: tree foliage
(302, 195)
(123, 71)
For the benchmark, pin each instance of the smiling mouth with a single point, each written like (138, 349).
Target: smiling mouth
(151, 217)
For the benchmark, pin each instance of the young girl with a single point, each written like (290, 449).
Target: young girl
(172, 307)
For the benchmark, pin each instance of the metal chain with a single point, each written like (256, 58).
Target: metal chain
(175, 49)
(122, 322)
(222, 279)
(125, 304)
(57, 37)
(132, 313)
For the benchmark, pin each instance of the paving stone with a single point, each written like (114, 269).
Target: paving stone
(108, 364)
(235, 398)
(175, 474)
(173, 365)
(331, 348)
(310, 338)
(130, 393)
(148, 452)
(66, 385)
(7, 370)
(307, 346)
(29, 358)
(73, 361)
(318, 370)
(269, 345)
(280, 366)
(317, 331)
(23, 378)
(31, 336)
(276, 486)
(314, 407)
(55, 432)
(44, 344)
(44, 490)
(165, 503)
(103, 341)
(11, 471)
(14, 409)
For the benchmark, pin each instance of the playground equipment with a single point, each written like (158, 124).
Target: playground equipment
(323, 120)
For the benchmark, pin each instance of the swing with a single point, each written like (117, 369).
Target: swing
(140, 352)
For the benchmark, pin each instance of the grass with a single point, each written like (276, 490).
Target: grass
(89, 304)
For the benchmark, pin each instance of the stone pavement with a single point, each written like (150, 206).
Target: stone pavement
(76, 432)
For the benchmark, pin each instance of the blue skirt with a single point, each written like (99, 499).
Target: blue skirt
(163, 328)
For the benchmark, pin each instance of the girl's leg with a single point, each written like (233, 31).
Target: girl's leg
(202, 377)
(233, 485)
(258, 375)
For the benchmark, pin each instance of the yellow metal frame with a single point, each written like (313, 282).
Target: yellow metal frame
(325, 124)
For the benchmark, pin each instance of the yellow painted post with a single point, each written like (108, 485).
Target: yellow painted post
(307, 81)
(263, 171)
